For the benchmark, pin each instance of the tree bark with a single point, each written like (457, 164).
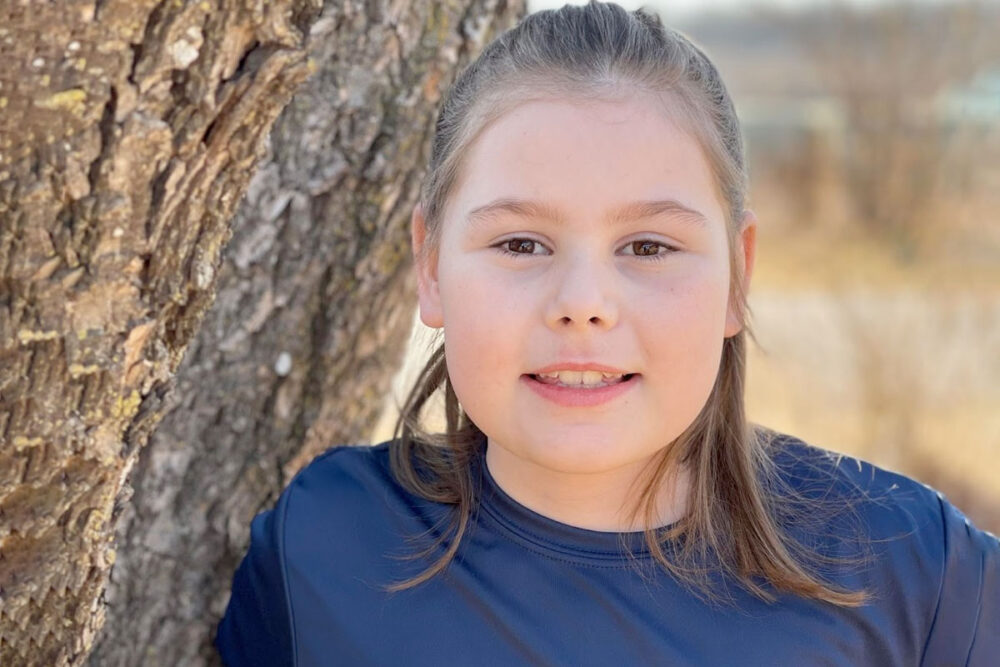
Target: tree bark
(128, 134)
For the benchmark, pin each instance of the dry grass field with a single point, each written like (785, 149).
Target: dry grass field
(896, 364)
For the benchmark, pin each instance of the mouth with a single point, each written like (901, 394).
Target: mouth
(587, 390)
(582, 380)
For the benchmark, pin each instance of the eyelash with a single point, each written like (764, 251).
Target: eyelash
(658, 257)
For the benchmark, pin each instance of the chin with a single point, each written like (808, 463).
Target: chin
(583, 455)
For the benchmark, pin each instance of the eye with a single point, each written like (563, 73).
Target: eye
(646, 249)
(518, 247)
(649, 249)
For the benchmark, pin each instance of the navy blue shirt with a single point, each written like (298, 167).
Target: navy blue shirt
(528, 590)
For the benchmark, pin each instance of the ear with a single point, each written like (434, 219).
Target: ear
(428, 296)
(745, 255)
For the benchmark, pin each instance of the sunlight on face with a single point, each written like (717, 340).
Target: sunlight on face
(585, 232)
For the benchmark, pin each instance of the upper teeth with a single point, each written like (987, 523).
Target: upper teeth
(582, 377)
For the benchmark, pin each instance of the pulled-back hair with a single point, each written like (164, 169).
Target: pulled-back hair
(736, 508)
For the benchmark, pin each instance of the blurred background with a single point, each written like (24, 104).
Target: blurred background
(873, 139)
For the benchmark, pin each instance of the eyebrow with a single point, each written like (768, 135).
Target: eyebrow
(632, 211)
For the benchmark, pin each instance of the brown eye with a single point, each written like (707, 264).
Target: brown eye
(645, 248)
(518, 247)
(649, 250)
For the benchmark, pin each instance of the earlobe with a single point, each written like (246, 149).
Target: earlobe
(749, 236)
(425, 264)
(746, 254)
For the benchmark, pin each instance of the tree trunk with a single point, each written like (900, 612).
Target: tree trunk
(128, 135)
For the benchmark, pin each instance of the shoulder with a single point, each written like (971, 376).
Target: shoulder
(348, 472)
(316, 521)
(887, 502)
(930, 561)
(350, 491)
(338, 487)
(890, 524)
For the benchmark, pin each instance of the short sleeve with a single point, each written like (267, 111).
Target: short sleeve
(256, 628)
(966, 628)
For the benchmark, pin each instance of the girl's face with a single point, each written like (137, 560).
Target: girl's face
(582, 235)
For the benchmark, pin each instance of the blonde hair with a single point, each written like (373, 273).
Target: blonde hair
(737, 499)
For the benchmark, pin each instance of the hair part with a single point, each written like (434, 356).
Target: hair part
(737, 501)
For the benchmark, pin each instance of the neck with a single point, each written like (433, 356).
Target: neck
(599, 500)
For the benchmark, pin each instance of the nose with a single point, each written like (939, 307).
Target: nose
(584, 297)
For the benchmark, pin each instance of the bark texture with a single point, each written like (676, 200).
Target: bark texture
(314, 305)
(128, 131)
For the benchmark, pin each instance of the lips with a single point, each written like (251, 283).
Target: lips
(581, 396)
(581, 378)
(580, 366)
(580, 374)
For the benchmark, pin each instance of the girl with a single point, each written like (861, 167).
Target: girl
(598, 497)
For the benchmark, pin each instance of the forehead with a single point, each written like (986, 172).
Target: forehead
(588, 156)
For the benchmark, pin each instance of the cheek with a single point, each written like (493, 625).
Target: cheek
(697, 312)
(480, 310)
(689, 304)
(682, 339)
(482, 327)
